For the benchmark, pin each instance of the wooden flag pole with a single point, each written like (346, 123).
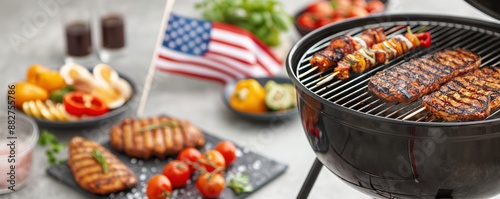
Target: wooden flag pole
(152, 66)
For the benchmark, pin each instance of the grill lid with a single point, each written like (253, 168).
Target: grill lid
(489, 7)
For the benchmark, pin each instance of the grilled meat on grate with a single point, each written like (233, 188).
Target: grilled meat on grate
(469, 97)
(344, 45)
(156, 136)
(417, 77)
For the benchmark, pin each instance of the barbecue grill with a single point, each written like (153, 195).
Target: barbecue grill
(397, 150)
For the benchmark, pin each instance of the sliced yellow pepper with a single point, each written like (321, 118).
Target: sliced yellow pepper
(249, 96)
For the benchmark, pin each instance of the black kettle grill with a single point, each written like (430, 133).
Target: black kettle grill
(389, 150)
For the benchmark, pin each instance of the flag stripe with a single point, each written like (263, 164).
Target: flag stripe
(233, 51)
(190, 74)
(195, 60)
(234, 64)
(235, 29)
(192, 69)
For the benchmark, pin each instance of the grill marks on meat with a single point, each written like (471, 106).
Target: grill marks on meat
(344, 45)
(160, 142)
(469, 97)
(88, 172)
(328, 57)
(413, 79)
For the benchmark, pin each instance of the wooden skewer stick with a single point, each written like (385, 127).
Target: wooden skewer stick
(414, 113)
(327, 79)
(307, 72)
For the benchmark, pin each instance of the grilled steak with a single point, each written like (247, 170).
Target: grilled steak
(469, 97)
(88, 172)
(156, 136)
(413, 79)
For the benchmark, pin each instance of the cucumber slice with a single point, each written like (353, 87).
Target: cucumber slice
(279, 98)
(291, 89)
(269, 85)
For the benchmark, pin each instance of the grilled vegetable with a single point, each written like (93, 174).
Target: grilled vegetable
(279, 98)
(46, 110)
(78, 104)
(88, 170)
(425, 39)
(25, 91)
(57, 95)
(248, 96)
(411, 80)
(49, 80)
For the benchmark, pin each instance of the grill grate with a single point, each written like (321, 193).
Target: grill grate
(353, 93)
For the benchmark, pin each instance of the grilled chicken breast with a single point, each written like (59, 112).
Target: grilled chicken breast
(413, 79)
(141, 138)
(88, 172)
(469, 97)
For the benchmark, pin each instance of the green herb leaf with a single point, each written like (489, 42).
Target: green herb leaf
(53, 147)
(46, 138)
(240, 184)
(97, 154)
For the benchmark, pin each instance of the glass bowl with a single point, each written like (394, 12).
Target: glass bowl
(17, 141)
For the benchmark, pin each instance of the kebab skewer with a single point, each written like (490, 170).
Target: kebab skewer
(378, 54)
(344, 45)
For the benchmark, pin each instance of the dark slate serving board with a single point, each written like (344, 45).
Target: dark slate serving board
(261, 170)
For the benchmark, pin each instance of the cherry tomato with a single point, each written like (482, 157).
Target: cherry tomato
(212, 157)
(359, 3)
(228, 151)
(321, 8)
(210, 185)
(190, 155)
(342, 6)
(177, 172)
(307, 20)
(375, 6)
(357, 12)
(158, 187)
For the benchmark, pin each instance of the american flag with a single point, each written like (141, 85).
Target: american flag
(214, 51)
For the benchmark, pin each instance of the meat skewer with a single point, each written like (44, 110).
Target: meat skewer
(343, 45)
(417, 77)
(381, 53)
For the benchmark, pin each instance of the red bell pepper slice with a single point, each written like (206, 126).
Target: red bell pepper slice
(425, 39)
(78, 104)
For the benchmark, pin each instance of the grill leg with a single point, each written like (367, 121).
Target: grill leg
(310, 180)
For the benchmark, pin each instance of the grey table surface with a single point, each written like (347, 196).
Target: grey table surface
(181, 97)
